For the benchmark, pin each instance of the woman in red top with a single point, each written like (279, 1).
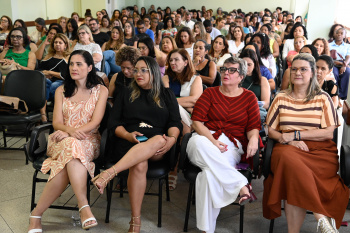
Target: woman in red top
(227, 123)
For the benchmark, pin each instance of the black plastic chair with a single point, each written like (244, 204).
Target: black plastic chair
(28, 85)
(344, 165)
(157, 170)
(191, 171)
(36, 148)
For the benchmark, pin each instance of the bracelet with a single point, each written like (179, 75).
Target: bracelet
(299, 138)
(295, 136)
(173, 137)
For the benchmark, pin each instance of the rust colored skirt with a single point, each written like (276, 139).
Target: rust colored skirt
(307, 179)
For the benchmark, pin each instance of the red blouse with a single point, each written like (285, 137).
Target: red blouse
(234, 116)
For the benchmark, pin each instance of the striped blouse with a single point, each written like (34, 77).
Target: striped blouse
(288, 114)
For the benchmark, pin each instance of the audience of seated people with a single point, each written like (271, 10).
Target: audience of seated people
(189, 49)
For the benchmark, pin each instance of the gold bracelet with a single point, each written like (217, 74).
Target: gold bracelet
(173, 137)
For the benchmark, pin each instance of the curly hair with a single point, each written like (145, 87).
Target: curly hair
(325, 46)
(119, 41)
(265, 50)
(295, 26)
(178, 40)
(127, 53)
(65, 40)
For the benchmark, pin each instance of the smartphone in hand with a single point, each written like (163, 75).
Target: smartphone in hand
(141, 138)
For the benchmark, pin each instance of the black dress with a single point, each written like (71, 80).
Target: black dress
(55, 64)
(328, 86)
(143, 111)
(121, 80)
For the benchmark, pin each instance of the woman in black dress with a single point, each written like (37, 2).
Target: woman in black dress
(144, 108)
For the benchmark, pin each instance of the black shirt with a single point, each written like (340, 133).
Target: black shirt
(100, 38)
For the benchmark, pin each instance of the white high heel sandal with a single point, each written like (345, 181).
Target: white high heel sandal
(35, 230)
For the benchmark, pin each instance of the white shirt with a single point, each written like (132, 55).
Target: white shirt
(288, 46)
(190, 51)
(214, 33)
(91, 48)
(232, 48)
(189, 24)
(270, 63)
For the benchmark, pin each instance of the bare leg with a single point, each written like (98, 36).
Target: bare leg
(137, 154)
(43, 113)
(137, 186)
(52, 191)
(295, 217)
(77, 174)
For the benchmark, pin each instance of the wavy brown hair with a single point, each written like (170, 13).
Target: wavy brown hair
(224, 51)
(65, 39)
(178, 41)
(120, 40)
(187, 72)
(325, 46)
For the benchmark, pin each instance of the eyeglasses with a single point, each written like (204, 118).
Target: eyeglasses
(142, 48)
(4, 21)
(302, 70)
(230, 70)
(16, 37)
(82, 33)
(142, 71)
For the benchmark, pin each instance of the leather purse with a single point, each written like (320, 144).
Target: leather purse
(12, 105)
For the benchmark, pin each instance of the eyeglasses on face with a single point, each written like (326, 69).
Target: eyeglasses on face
(302, 70)
(13, 37)
(230, 70)
(142, 71)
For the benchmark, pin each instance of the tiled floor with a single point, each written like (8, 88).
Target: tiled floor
(15, 193)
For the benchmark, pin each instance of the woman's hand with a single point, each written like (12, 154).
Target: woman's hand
(222, 146)
(300, 144)
(252, 147)
(47, 74)
(46, 41)
(77, 133)
(131, 137)
(286, 137)
(196, 60)
(169, 142)
(342, 69)
(58, 136)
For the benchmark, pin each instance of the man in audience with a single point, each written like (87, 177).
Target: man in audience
(155, 15)
(239, 22)
(99, 37)
(125, 11)
(261, 14)
(172, 15)
(142, 32)
(209, 28)
(188, 22)
(342, 54)
(178, 24)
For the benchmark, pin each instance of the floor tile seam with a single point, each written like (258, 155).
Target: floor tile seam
(6, 223)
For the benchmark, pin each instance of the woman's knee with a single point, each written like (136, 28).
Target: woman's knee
(140, 168)
(158, 141)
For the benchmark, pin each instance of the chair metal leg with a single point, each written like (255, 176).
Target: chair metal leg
(4, 134)
(272, 222)
(190, 191)
(32, 205)
(88, 188)
(167, 188)
(160, 203)
(241, 218)
(109, 191)
(194, 196)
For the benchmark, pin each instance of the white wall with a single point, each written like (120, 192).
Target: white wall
(6, 8)
(93, 5)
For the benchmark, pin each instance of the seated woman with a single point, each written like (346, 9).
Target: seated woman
(181, 79)
(54, 67)
(23, 58)
(274, 39)
(72, 30)
(184, 39)
(130, 38)
(21, 24)
(45, 45)
(147, 48)
(218, 52)
(227, 123)
(79, 107)
(255, 82)
(63, 22)
(304, 146)
(299, 42)
(324, 67)
(169, 28)
(322, 46)
(126, 58)
(156, 31)
(199, 32)
(145, 108)
(105, 24)
(168, 43)
(110, 48)
(205, 68)
(297, 30)
(5, 28)
(40, 30)
(235, 38)
(86, 42)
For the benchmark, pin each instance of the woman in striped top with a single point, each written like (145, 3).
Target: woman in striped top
(227, 123)
(304, 163)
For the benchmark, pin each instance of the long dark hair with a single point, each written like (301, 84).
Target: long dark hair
(92, 78)
(150, 45)
(265, 45)
(256, 75)
(75, 29)
(291, 33)
(24, 26)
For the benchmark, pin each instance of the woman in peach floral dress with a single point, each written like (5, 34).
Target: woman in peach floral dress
(79, 108)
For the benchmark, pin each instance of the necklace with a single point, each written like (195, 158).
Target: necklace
(200, 62)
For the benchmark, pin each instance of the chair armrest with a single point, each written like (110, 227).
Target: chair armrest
(183, 153)
(267, 157)
(32, 145)
(345, 164)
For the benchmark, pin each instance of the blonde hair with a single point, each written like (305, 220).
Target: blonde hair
(302, 37)
(87, 30)
(62, 17)
(65, 39)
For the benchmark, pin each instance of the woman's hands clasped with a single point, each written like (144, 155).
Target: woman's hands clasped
(59, 135)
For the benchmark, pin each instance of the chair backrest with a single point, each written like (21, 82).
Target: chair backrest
(103, 124)
(217, 81)
(28, 85)
(103, 64)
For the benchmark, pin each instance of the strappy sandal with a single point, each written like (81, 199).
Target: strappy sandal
(132, 223)
(105, 181)
(83, 224)
(35, 230)
(249, 198)
(172, 182)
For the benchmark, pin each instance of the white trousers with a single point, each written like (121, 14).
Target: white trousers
(219, 183)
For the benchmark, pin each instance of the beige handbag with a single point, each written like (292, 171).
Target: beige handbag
(5, 69)
(15, 103)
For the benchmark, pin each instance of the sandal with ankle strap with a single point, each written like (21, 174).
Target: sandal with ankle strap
(83, 224)
(132, 223)
(35, 230)
(105, 181)
(250, 198)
